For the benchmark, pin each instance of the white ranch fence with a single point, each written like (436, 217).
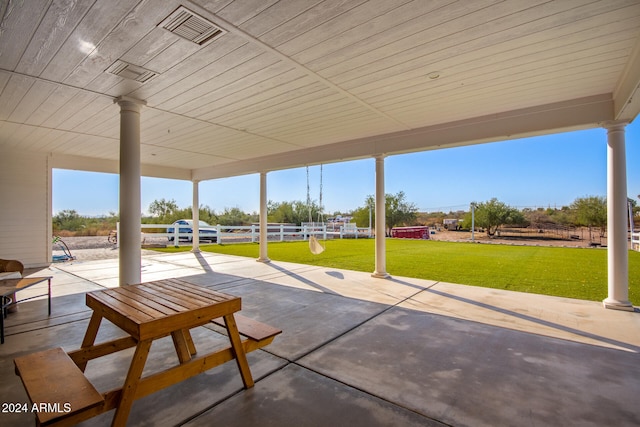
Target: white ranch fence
(250, 233)
(635, 241)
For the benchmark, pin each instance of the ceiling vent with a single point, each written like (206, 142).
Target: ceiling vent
(131, 72)
(192, 27)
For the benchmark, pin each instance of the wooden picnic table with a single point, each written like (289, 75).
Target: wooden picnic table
(147, 312)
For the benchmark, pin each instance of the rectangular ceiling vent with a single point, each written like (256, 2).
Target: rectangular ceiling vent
(131, 72)
(191, 26)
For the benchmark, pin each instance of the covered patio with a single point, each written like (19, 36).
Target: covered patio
(358, 351)
(198, 90)
(207, 89)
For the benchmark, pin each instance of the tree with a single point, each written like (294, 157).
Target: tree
(540, 218)
(591, 211)
(494, 213)
(208, 215)
(361, 215)
(635, 211)
(234, 216)
(295, 212)
(163, 209)
(68, 219)
(280, 212)
(397, 211)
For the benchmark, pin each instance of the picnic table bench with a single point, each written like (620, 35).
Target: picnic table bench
(147, 312)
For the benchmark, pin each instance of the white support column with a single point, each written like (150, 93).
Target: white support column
(196, 217)
(381, 255)
(263, 219)
(49, 209)
(617, 246)
(129, 240)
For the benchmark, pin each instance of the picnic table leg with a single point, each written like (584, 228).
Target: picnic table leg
(49, 285)
(131, 383)
(2, 321)
(190, 344)
(90, 335)
(238, 350)
(182, 347)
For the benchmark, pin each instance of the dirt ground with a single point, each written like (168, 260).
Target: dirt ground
(581, 240)
(86, 248)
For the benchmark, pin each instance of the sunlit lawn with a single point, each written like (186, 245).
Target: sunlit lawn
(568, 272)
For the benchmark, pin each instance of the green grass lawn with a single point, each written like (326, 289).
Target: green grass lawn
(568, 272)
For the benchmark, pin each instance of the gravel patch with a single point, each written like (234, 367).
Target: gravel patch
(86, 248)
(99, 242)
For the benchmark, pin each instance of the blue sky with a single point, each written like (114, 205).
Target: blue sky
(533, 172)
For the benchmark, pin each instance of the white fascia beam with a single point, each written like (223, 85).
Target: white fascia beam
(626, 97)
(82, 163)
(570, 115)
(92, 164)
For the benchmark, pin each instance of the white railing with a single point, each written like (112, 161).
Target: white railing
(635, 241)
(283, 232)
(351, 230)
(251, 233)
(242, 233)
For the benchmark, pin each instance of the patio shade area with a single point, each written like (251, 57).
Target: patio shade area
(206, 89)
(357, 351)
(214, 89)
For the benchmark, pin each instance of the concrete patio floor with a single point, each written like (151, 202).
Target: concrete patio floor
(356, 351)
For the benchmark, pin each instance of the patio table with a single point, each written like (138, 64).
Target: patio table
(153, 310)
(147, 312)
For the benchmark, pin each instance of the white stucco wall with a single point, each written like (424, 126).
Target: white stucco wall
(25, 207)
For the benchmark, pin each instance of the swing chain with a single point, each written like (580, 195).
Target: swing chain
(309, 197)
(320, 215)
(320, 208)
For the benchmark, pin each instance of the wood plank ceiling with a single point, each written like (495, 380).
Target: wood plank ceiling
(293, 82)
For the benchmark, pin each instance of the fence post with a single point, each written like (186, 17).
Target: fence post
(219, 230)
(176, 236)
(253, 233)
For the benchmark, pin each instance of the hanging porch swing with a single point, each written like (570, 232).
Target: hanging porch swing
(315, 246)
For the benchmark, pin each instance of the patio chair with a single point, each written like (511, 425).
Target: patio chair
(10, 266)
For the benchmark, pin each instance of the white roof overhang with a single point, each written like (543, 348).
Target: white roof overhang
(286, 84)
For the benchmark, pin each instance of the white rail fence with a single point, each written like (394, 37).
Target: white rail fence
(248, 233)
(635, 241)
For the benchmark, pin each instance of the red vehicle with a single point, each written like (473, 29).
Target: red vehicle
(418, 232)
